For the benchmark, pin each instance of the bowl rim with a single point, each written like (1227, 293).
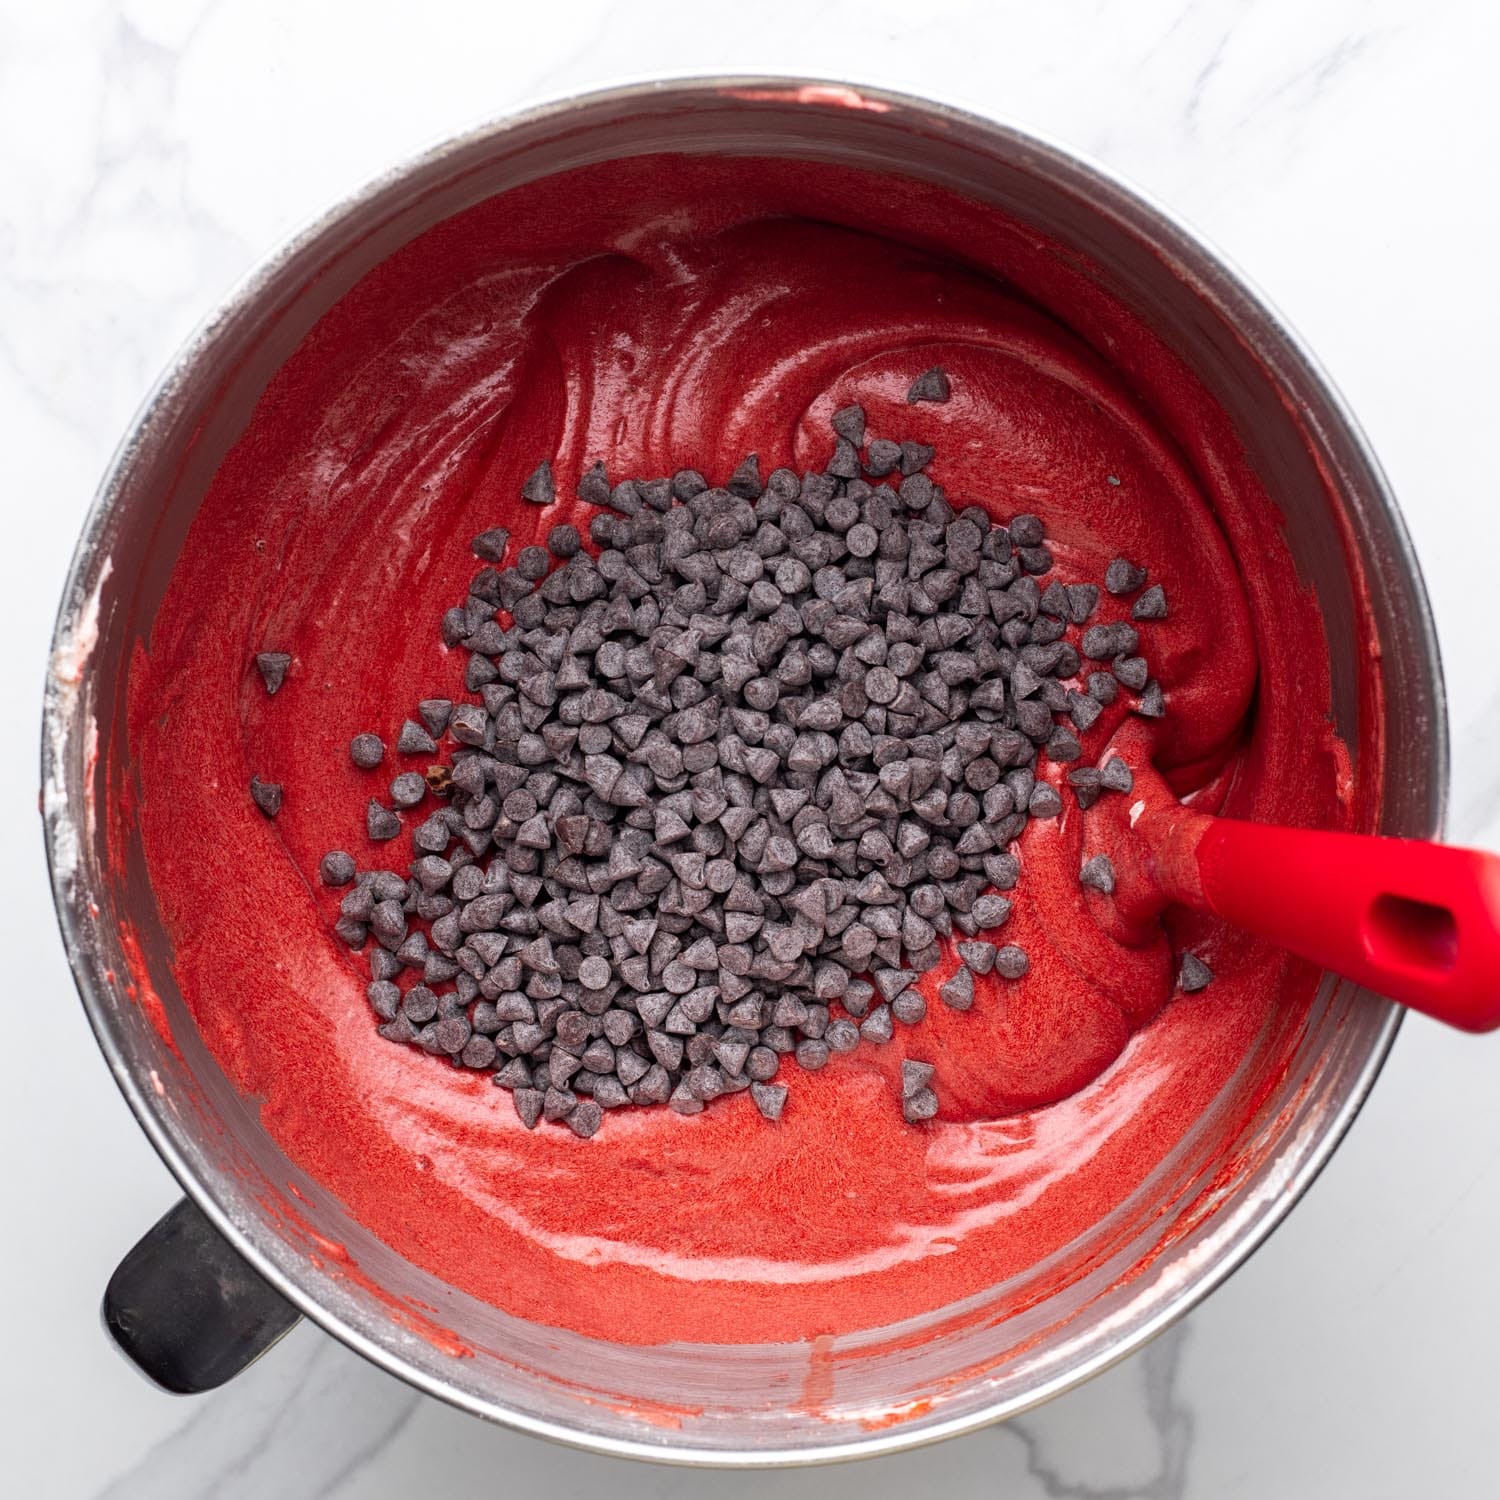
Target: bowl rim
(1232, 293)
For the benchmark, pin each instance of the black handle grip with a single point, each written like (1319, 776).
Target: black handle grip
(187, 1310)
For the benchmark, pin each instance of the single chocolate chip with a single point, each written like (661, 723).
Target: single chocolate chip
(594, 487)
(1044, 801)
(1152, 605)
(408, 789)
(881, 457)
(529, 1104)
(1027, 531)
(909, 1007)
(594, 973)
(1193, 975)
(769, 1099)
(533, 563)
(932, 385)
(380, 822)
(990, 911)
(585, 1118)
(812, 1053)
(564, 541)
(849, 423)
(745, 481)
(1082, 601)
(977, 955)
(922, 1105)
(842, 1035)
(1131, 671)
(469, 724)
(1103, 689)
(845, 461)
(415, 740)
(336, 868)
(267, 795)
(1153, 704)
(1116, 776)
(1011, 962)
(490, 545)
(957, 991)
(1098, 874)
(435, 713)
(1123, 576)
(539, 488)
(367, 751)
(272, 666)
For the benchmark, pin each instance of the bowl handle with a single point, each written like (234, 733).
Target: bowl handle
(187, 1310)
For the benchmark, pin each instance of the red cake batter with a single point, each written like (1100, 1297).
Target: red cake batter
(671, 312)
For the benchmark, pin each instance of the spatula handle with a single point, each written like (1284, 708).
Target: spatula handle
(1415, 921)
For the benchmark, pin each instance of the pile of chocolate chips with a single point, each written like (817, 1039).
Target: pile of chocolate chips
(731, 779)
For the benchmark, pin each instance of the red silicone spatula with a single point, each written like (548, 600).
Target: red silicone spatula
(1418, 922)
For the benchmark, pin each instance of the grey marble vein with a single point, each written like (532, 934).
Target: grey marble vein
(1168, 1413)
(297, 1426)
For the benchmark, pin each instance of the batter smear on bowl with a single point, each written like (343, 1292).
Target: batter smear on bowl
(1045, 1059)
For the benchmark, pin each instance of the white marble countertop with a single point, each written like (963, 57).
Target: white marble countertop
(150, 150)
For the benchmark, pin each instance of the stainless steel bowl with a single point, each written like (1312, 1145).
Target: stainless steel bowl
(187, 1303)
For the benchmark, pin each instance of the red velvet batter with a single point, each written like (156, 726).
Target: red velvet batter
(660, 313)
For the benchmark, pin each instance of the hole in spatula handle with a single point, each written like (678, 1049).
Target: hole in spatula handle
(1406, 934)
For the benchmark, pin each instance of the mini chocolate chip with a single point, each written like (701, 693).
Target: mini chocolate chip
(932, 385)
(812, 1053)
(435, 713)
(1123, 576)
(367, 751)
(415, 740)
(922, 1105)
(1044, 801)
(594, 487)
(533, 563)
(380, 822)
(408, 789)
(564, 541)
(881, 457)
(1152, 605)
(957, 991)
(1011, 962)
(267, 795)
(1098, 874)
(769, 1099)
(336, 868)
(848, 422)
(1153, 704)
(990, 911)
(745, 481)
(1131, 671)
(490, 545)
(529, 1104)
(272, 666)
(1026, 530)
(1116, 776)
(1193, 975)
(539, 488)
(977, 955)
(909, 1007)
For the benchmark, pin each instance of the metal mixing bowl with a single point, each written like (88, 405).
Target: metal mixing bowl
(187, 1303)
